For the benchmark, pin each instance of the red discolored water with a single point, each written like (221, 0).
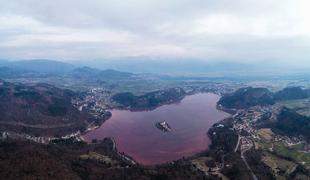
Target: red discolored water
(135, 133)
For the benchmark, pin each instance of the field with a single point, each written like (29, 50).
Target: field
(279, 165)
(298, 156)
(302, 106)
(266, 134)
(200, 163)
(293, 153)
(98, 157)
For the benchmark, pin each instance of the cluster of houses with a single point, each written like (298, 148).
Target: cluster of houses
(94, 102)
(39, 139)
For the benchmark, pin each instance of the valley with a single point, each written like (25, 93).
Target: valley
(219, 129)
(154, 90)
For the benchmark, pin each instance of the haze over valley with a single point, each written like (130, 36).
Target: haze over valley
(155, 90)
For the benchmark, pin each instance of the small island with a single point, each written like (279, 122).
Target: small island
(163, 126)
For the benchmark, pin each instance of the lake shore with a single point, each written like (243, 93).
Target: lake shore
(187, 153)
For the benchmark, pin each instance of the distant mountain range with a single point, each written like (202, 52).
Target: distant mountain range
(176, 69)
(194, 67)
(9, 72)
(40, 66)
(56, 68)
(87, 72)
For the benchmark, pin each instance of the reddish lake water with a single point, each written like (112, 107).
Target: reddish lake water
(136, 135)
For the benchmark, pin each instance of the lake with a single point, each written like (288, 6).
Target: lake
(136, 135)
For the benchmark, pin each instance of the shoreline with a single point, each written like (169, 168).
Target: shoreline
(132, 160)
(123, 155)
(120, 107)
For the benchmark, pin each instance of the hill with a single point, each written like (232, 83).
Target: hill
(39, 109)
(149, 100)
(247, 97)
(291, 93)
(25, 160)
(291, 123)
(84, 72)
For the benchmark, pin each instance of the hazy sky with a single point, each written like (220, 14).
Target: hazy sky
(238, 30)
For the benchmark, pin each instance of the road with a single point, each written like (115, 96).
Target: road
(246, 163)
(237, 145)
(236, 148)
(39, 126)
